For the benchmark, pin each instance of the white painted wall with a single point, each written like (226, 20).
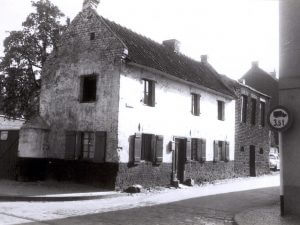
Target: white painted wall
(171, 115)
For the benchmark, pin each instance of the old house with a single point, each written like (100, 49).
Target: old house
(266, 83)
(118, 108)
(252, 133)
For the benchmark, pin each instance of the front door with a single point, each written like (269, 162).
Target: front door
(252, 161)
(180, 146)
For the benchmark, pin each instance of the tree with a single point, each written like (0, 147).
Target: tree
(25, 53)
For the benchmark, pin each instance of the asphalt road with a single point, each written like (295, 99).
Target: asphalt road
(217, 209)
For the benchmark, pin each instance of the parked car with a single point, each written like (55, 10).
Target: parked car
(274, 162)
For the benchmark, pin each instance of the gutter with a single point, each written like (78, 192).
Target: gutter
(171, 77)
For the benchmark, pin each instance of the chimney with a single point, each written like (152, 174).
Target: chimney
(92, 4)
(204, 58)
(255, 64)
(173, 45)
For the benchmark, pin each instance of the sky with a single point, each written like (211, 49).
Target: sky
(233, 33)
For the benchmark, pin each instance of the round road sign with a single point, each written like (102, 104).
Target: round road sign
(279, 118)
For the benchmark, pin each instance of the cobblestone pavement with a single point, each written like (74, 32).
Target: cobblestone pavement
(210, 210)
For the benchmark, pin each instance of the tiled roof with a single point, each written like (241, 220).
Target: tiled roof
(146, 52)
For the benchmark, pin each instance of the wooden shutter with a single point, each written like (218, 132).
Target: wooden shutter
(198, 105)
(137, 148)
(100, 146)
(227, 151)
(153, 148)
(188, 149)
(216, 151)
(203, 150)
(152, 86)
(199, 150)
(70, 147)
(223, 151)
(78, 151)
(159, 149)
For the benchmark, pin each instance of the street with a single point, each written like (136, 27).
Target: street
(215, 209)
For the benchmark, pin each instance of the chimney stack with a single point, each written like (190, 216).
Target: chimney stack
(173, 45)
(204, 58)
(93, 4)
(255, 64)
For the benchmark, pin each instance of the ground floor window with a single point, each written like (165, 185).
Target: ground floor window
(147, 147)
(88, 145)
(221, 151)
(198, 149)
(85, 145)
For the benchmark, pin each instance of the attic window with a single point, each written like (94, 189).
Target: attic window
(92, 36)
(88, 88)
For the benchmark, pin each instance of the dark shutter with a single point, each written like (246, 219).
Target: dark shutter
(152, 84)
(153, 148)
(188, 149)
(100, 146)
(223, 151)
(199, 150)
(137, 148)
(78, 153)
(198, 105)
(203, 150)
(227, 151)
(159, 149)
(70, 147)
(216, 151)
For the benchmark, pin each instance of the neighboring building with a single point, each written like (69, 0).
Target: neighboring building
(252, 133)
(266, 83)
(120, 109)
(9, 138)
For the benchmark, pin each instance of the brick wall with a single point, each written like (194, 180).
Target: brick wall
(248, 134)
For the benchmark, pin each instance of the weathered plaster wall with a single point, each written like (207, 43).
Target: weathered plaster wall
(248, 134)
(171, 115)
(60, 93)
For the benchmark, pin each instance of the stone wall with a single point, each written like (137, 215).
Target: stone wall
(209, 171)
(248, 134)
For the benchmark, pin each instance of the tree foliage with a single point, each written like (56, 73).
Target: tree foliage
(25, 53)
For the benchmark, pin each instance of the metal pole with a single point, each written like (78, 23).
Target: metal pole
(281, 175)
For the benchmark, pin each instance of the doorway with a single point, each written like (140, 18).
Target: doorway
(179, 159)
(252, 161)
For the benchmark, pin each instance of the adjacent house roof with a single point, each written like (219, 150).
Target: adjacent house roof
(146, 52)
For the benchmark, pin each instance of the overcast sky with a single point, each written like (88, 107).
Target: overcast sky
(233, 33)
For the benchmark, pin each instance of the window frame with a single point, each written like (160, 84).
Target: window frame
(195, 106)
(253, 111)
(262, 109)
(149, 92)
(221, 110)
(244, 108)
(4, 135)
(83, 97)
(89, 145)
(147, 144)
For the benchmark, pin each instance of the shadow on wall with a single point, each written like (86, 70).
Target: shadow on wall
(97, 174)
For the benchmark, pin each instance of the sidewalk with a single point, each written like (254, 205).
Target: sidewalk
(13, 212)
(51, 191)
(265, 216)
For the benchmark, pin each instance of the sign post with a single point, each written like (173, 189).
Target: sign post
(280, 119)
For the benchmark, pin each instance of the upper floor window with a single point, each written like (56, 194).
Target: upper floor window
(262, 106)
(195, 104)
(149, 92)
(88, 88)
(253, 111)
(221, 110)
(92, 36)
(244, 106)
